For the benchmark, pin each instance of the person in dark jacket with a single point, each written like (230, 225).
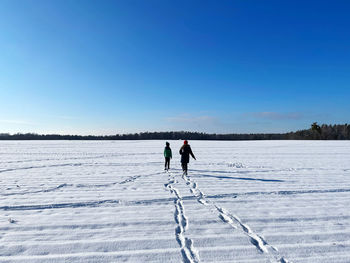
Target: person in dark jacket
(185, 152)
(168, 155)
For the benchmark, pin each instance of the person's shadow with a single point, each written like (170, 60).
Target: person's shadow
(232, 177)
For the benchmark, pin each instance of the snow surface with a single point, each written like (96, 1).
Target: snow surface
(111, 201)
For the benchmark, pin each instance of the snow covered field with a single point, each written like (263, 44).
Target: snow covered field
(111, 201)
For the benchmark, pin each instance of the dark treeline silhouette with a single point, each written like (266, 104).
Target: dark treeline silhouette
(316, 132)
(323, 132)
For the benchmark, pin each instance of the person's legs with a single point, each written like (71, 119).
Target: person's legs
(184, 167)
(169, 163)
(167, 160)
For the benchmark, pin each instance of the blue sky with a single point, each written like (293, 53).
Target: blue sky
(106, 67)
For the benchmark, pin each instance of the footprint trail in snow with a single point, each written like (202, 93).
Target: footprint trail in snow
(189, 253)
(235, 222)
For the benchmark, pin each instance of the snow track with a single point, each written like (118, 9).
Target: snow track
(235, 223)
(189, 253)
(109, 201)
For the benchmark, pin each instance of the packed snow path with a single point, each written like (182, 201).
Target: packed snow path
(111, 201)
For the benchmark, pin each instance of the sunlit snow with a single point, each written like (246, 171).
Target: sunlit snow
(112, 201)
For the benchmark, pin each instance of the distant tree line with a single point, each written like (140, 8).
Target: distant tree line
(322, 132)
(316, 132)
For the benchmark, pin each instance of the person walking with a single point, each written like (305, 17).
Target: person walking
(185, 152)
(168, 155)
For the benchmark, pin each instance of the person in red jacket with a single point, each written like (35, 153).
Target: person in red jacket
(185, 152)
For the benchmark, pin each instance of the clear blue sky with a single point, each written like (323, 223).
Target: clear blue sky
(106, 67)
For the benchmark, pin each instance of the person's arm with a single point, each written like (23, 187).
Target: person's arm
(164, 151)
(192, 154)
(171, 154)
(180, 152)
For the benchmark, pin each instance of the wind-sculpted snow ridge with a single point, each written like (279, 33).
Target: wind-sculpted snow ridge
(235, 223)
(41, 166)
(58, 205)
(189, 253)
(128, 180)
(38, 191)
